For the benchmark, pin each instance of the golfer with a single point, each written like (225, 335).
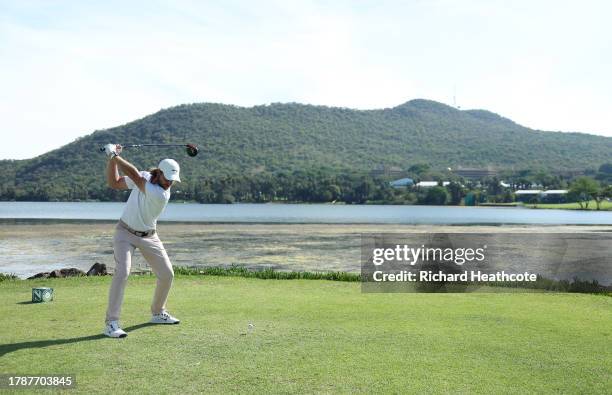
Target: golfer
(137, 229)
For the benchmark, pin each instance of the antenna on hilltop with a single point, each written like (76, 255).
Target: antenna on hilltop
(455, 98)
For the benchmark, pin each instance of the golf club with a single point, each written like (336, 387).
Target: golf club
(191, 149)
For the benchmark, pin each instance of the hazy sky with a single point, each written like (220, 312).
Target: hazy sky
(68, 68)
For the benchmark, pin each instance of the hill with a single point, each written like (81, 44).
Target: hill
(268, 139)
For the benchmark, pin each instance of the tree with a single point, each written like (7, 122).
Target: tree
(435, 195)
(507, 196)
(493, 186)
(583, 190)
(604, 193)
(456, 191)
(606, 168)
(419, 168)
(364, 190)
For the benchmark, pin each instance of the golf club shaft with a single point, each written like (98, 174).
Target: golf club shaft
(191, 149)
(155, 145)
(149, 145)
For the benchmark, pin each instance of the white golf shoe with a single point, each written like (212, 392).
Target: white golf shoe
(164, 318)
(113, 330)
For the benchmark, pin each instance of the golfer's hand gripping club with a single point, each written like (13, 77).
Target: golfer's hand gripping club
(112, 150)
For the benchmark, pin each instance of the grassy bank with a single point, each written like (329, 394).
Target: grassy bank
(511, 204)
(605, 205)
(265, 274)
(309, 336)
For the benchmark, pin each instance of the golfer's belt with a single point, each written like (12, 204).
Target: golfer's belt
(136, 232)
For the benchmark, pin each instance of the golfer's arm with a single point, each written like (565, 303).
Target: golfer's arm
(113, 179)
(131, 171)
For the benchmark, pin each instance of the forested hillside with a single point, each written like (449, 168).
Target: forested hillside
(278, 140)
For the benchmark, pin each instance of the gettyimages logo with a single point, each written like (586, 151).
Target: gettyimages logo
(502, 262)
(413, 255)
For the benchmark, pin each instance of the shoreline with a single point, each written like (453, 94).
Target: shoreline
(53, 221)
(260, 214)
(511, 205)
(33, 246)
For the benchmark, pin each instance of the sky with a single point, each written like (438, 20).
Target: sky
(69, 68)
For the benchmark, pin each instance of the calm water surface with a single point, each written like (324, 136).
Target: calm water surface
(312, 213)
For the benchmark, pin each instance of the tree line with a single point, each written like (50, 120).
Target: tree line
(319, 186)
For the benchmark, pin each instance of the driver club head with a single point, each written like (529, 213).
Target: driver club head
(192, 150)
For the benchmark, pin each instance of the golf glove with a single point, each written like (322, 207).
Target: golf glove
(111, 150)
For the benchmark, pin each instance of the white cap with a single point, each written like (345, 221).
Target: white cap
(171, 169)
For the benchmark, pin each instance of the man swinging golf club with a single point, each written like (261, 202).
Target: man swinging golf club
(137, 229)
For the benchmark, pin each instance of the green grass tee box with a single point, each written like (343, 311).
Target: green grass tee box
(308, 336)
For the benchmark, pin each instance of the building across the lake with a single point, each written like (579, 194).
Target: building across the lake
(554, 196)
(429, 184)
(402, 183)
(408, 182)
(538, 195)
(528, 195)
(472, 173)
(388, 171)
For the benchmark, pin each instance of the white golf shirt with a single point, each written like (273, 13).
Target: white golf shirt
(143, 209)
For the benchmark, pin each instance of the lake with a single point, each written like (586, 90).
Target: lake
(311, 214)
(43, 236)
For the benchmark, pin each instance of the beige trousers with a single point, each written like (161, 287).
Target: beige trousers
(152, 249)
